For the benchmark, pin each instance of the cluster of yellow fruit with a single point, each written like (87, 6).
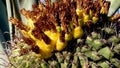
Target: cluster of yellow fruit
(90, 11)
(51, 26)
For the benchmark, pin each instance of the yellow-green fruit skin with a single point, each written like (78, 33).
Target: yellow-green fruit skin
(86, 18)
(53, 36)
(68, 37)
(94, 19)
(81, 22)
(45, 49)
(91, 14)
(31, 23)
(102, 10)
(60, 45)
(79, 13)
(77, 32)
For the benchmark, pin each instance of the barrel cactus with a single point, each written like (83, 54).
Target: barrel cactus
(68, 34)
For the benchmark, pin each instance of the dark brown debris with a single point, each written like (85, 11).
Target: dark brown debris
(29, 41)
(35, 49)
(40, 35)
(19, 24)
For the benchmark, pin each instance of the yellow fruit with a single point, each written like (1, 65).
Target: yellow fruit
(32, 36)
(80, 22)
(45, 54)
(68, 37)
(91, 14)
(79, 12)
(25, 33)
(58, 28)
(62, 28)
(60, 45)
(38, 55)
(102, 10)
(94, 19)
(30, 23)
(53, 36)
(77, 32)
(86, 18)
(45, 49)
